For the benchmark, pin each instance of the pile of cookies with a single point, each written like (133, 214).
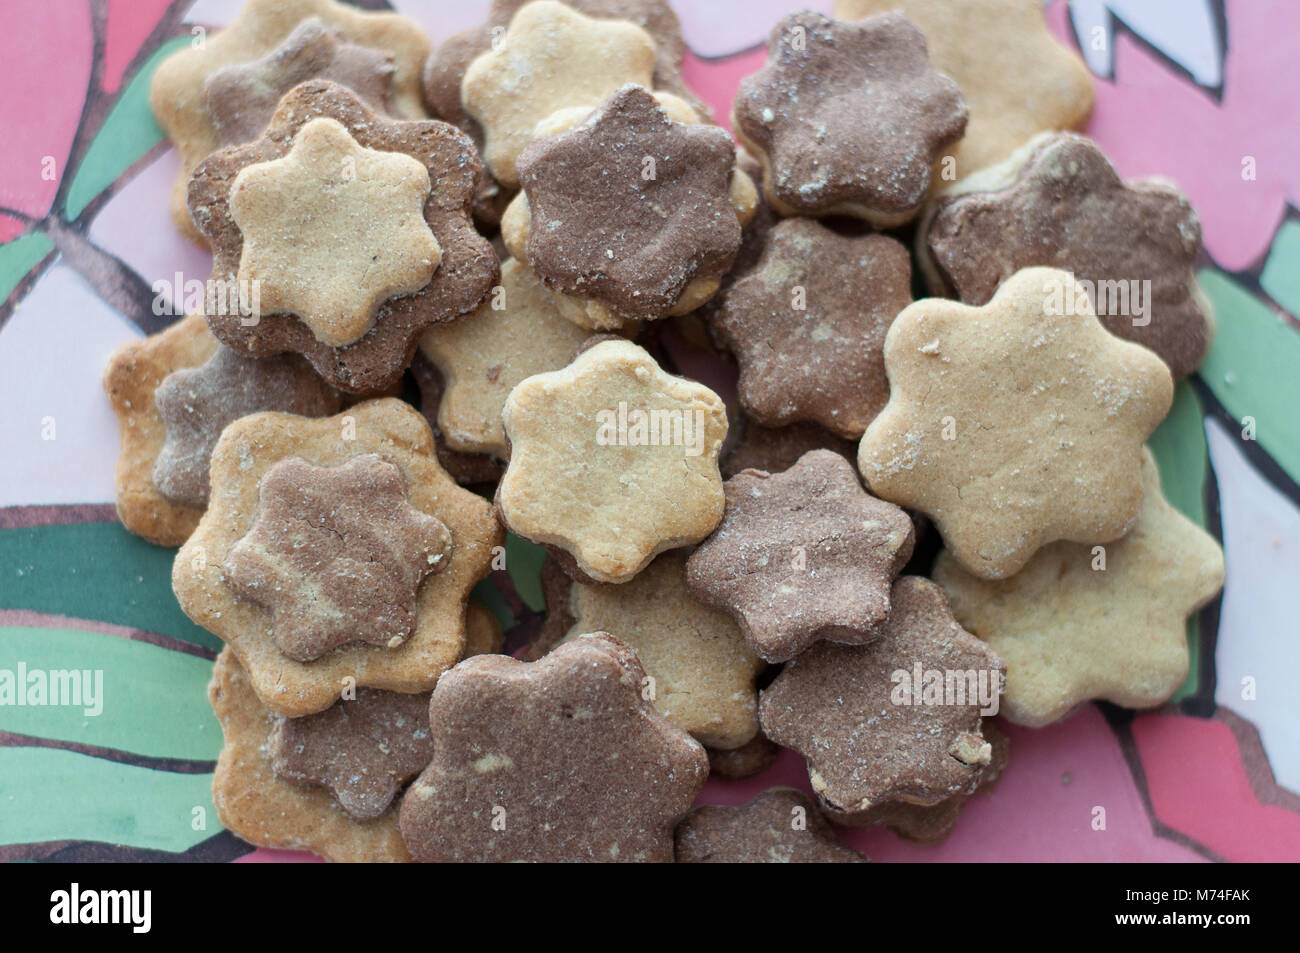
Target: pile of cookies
(421, 333)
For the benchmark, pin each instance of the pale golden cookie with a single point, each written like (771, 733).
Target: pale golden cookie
(132, 376)
(550, 58)
(247, 450)
(516, 333)
(1011, 425)
(297, 261)
(1109, 622)
(1016, 77)
(702, 669)
(256, 806)
(483, 634)
(176, 93)
(613, 460)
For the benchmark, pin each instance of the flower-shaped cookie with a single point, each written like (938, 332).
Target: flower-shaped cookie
(267, 810)
(801, 556)
(1015, 424)
(1059, 202)
(336, 554)
(612, 461)
(196, 404)
(177, 90)
(241, 98)
(656, 235)
(245, 454)
(779, 448)
(895, 720)
(552, 57)
(702, 669)
(367, 238)
(1017, 78)
(465, 468)
(780, 826)
(516, 333)
(848, 118)
(1079, 622)
(557, 760)
(828, 299)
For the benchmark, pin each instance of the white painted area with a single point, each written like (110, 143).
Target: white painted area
(1186, 31)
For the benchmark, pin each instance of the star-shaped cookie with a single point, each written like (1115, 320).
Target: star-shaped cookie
(612, 461)
(516, 333)
(828, 299)
(176, 91)
(702, 669)
(780, 826)
(1080, 623)
(1017, 78)
(550, 58)
(559, 760)
(376, 221)
(1014, 424)
(248, 450)
(337, 554)
(898, 719)
(1059, 202)
(801, 556)
(848, 118)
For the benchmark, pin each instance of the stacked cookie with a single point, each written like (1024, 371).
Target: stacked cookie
(526, 262)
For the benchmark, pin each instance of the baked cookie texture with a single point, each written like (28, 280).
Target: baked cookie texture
(779, 826)
(1080, 622)
(1015, 424)
(612, 461)
(177, 90)
(559, 760)
(251, 447)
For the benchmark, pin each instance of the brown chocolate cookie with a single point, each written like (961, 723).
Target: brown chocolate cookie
(848, 118)
(898, 719)
(801, 556)
(557, 760)
(1059, 202)
(241, 98)
(467, 269)
(807, 326)
(780, 826)
(364, 750)
(337, 554)
(559, 618)
(196, 403)
(753, 757)
(660, 219)
(774, 449)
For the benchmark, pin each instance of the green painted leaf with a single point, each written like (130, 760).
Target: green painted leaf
(1281, 275)
(524, 563)
(19, 257)
(52, 795)
(128, 132)
(152, 701)
(1254, 367)
(94, 571)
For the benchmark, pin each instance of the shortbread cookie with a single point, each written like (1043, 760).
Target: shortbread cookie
(197, 403)
(735, 764)
(1015, 424)
(516, 333)
(848, 118)
(895, 720)
(1059, 202)
(612, 461)
(130, 381)
(558, 760)
(177, 90)
(383, 256)
(702, 669)
(246, 453)
(829, 300)
(780, 826)
(483, 633)
(1081, 622)
(241, 98)
(801, 556)
(774, 449)
(269, 811)
(617, 244)
(1017, 78)
(466, 469)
